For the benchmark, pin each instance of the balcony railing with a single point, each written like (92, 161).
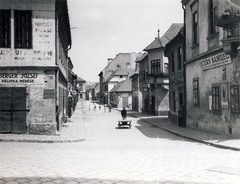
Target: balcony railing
(161, 74)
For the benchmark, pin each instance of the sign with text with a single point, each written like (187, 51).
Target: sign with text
(20, 78)
(215, 61)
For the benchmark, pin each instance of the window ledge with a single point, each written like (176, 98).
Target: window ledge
(195, 45)
(213, 35)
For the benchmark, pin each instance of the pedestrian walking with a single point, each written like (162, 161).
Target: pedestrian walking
(124, 113)
(180, 116)
(99, 107)
(105, 107)
(89, 106)
(57, 114)
(109, 107)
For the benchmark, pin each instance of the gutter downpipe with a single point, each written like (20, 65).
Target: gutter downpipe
(184, 70)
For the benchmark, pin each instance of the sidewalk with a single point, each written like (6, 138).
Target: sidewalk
(73, 131)
(212, 139)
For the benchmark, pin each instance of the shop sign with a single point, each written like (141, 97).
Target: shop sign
(18, 78)
(215, 61)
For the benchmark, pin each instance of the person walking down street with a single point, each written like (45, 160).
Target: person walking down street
(94, 107)
(105, 107)
(109, 107)
(124, 113)
(57, 117)
(89, 106)
(99, 107)
(180, 116)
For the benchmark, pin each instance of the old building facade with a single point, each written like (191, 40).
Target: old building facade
(121, 94)
(117, 70)
(174, 52)
(157, 77)
(212, 65)
(35, 38)
(143, 85)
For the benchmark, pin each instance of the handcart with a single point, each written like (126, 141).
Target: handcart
(124, 123)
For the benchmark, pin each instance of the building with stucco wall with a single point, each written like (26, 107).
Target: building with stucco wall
(33, 65)
(117, 70)
(174, 52)
(212, 65)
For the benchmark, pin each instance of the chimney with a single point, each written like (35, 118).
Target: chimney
(109, 60)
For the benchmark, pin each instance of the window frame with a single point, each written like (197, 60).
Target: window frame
(5, 28)
(195, 27)
(234, 98)
(196, 101)
(174, 101)
(172, 62)
(23, 36)
(155, 66)
(212, 12)
(180, 67)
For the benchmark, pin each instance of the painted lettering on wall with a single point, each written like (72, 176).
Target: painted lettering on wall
(44, 32)
(3, 53)
(215, 61)
(18, 78)
(40, 55)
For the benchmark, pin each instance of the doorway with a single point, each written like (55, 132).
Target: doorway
(13, 110)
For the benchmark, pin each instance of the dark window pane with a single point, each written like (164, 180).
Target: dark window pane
(5, 29)
(23, 29)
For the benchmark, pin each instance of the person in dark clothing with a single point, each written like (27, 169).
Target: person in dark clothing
(180, 116)
(124, 113)
(57, 114)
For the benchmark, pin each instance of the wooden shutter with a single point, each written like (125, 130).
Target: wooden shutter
(5, 110)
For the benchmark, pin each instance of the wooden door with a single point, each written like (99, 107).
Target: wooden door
(5, 110)
(13, 110)
(19, 110)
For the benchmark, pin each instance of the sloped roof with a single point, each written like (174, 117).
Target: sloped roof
(143, 56)
(97, 87)
(91, 85)
(108, 76)
(79, 79)
(123, 86)
(124, 72)
(179, 35)
(170, 34)
(157, 43)
(120, 58)
(172, 31)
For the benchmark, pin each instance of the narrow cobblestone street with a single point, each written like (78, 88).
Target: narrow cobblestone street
(143, 154)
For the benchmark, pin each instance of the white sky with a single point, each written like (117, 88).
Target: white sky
(104, 28)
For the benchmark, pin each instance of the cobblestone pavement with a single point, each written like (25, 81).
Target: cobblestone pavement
(143, 154)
